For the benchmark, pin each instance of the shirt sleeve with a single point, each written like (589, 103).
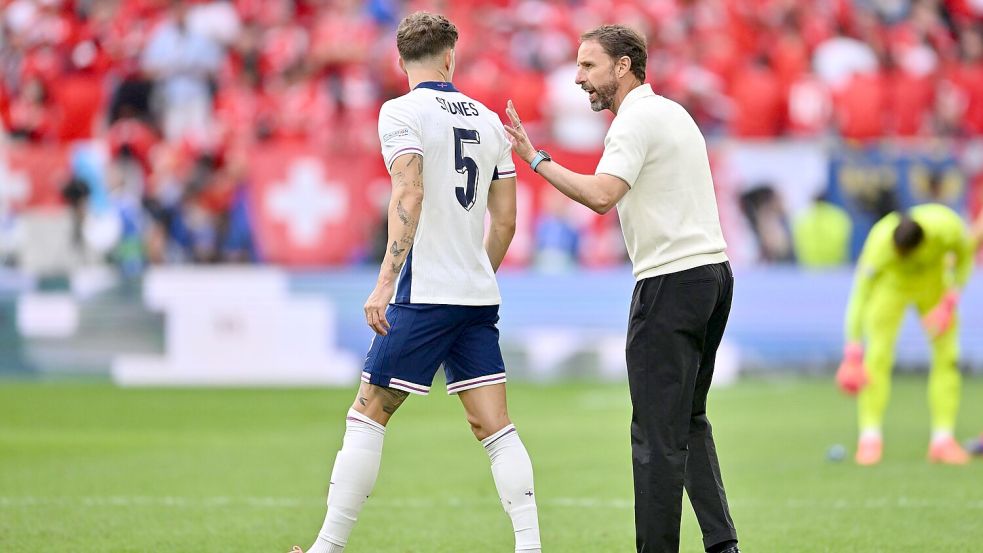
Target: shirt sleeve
(960, 243)
(399, 132)
(624, 151)
(505, 167)
(877, 249)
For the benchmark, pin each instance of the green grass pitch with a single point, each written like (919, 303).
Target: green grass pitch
(90, 468)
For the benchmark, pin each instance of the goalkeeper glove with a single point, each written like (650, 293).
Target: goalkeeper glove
(940, 318)
(852, 374)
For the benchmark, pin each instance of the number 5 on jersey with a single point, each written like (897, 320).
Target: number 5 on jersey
(465, 165)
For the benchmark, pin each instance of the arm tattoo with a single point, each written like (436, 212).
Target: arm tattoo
(392, 399)
(398, 179)
(412, 171)
(415, 169)
(394, 249)
(417, 164)
(404, 216)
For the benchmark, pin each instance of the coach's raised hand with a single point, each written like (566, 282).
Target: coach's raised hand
(521, 144)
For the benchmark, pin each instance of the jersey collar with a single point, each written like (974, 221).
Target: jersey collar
(437, 85)
(641, 91)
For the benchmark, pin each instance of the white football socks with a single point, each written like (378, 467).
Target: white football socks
(355, 470)
(940, 435)
(512, 471)
(871, 433)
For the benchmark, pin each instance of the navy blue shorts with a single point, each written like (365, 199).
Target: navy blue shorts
(423, 336)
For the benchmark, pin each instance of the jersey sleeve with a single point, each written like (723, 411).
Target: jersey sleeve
(949, 237)
(624, 151)
(399, 132)
(958, 241)
(504, 167)
(877, 250)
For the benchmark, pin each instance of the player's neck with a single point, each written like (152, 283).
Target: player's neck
(623, 91)
(425, 74)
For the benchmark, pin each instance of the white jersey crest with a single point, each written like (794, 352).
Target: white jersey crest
(464, 148)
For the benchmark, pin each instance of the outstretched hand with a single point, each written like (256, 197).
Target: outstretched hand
(521, 144)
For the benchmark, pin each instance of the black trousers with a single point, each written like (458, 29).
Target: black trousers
(677, 321)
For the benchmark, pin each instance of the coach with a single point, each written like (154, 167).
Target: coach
(655, 169)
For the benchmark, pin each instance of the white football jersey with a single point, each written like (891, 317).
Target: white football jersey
(464, 148)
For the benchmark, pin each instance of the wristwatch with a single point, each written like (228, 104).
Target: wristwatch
(541, 156)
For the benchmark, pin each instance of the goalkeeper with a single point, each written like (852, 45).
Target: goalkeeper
(921, 258)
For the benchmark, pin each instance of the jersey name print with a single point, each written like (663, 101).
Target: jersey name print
(464, 108)
(464, 148)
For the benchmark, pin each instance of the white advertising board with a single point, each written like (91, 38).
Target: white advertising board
(237, 326)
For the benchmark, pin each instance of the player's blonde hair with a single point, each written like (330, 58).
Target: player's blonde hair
(422, 35)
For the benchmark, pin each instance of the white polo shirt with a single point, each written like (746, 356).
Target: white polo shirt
(669, 215)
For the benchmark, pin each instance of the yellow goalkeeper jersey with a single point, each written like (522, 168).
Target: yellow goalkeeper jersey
(942, 260)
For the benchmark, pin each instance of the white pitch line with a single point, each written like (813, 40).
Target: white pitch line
(13, 502)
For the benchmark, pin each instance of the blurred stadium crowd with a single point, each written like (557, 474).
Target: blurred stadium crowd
(178, 93)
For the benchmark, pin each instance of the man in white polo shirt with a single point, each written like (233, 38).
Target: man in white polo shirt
(656, 171)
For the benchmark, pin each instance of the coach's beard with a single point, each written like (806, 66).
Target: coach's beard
(602, 97)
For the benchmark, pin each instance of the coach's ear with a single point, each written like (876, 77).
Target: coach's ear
(623, 66)
(402, 65)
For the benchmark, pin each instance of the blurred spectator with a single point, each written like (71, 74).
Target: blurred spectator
(861, 106)
(80, 95)
(766, 216)
(822, 235)
(837, 59)
(299, 107)
(759, 102)
(176, 90)
(218, 20)
(963, 80)
(31, 112)
(182, 63)
(810, 106)
(341, 42)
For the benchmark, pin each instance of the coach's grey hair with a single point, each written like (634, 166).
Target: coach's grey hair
(618, 41)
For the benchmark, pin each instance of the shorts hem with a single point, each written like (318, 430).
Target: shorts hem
(395, 383)
(488, 380)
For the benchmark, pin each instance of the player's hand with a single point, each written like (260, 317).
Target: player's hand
(375, 308)
(851, 377)
(518, 137)
(941, 317)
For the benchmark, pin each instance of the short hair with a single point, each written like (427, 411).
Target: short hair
(618, 41)
(907, 235)
(422, 35)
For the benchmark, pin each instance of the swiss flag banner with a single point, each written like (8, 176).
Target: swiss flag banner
(311, 208)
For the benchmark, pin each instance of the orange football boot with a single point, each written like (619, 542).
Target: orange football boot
(948, 452)
(869, 451)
